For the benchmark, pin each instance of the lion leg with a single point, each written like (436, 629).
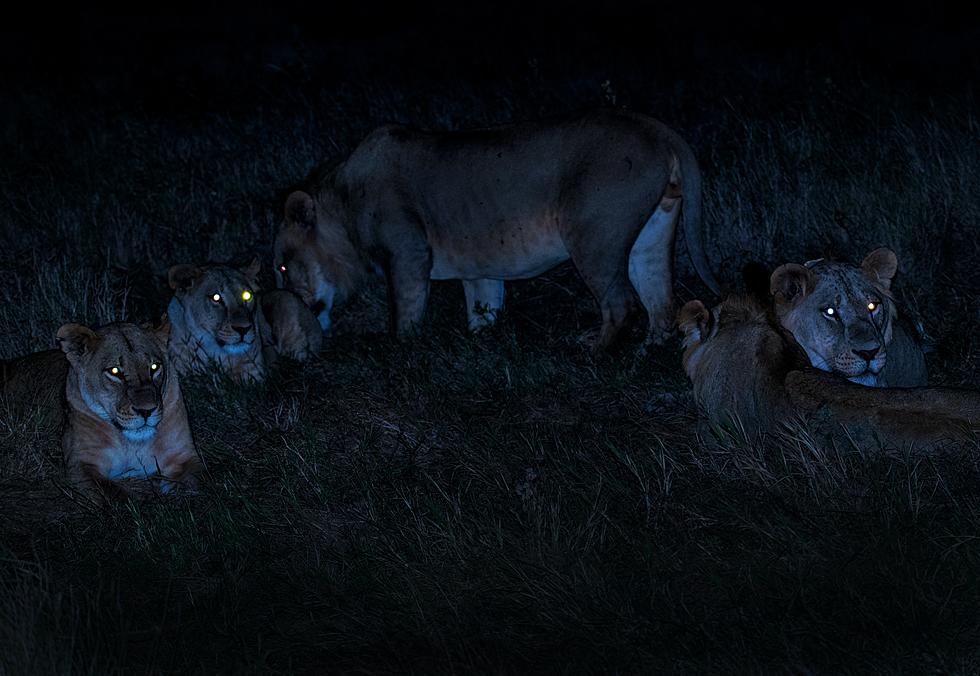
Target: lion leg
(484, 299)
(408, 290)
(651, 271)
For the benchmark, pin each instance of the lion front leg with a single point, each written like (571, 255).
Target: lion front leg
(408, 289)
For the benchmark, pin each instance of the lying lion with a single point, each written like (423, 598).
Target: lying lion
(221, 318)
(486, 206)
(746, 368)
(116, 401)
(845, 319)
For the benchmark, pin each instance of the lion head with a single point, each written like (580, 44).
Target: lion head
(314, 256)
(120, 373)
(218, 305)
(841, 315)
(737, 359)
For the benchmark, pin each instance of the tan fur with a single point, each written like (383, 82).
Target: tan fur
(206, 333)
(490, 205)
(844, 340)
(289, 328)
(743, 366)
(117, 430)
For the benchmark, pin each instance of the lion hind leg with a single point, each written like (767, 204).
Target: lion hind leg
(651, 270)
(484, 300)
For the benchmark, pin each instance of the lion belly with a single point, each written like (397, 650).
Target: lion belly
(509, 252)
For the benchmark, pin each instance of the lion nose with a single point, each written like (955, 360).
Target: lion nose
(145, 412)
(867, 355)
(242, 329)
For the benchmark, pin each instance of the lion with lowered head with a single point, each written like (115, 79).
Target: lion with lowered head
(117, 403)
(485, 206)
(845, 319)
(745, 367)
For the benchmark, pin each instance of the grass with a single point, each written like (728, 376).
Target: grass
(502, 502)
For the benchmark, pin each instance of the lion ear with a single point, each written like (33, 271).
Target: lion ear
(881, 265)
(300, 209)
(693, 320)
(181, 277)
(75, 340)
(251, 270)
(790, 283)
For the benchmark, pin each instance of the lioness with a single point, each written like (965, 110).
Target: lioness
(845, 318)
(220, 317)
(744, 366)
(117, 402)
(213, 319)
(489, 205)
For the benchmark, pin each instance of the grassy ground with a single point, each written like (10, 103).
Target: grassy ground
(504, 502)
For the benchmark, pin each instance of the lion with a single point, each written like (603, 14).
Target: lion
(288, 327)
(213, 315)
(487, 206)
(745, 367)
(846, 320)
(221, 317)
(115, 399)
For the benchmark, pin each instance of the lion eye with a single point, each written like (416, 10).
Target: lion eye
(154, 367)
(872, 306)
(282, 268)
(829, 311)
(216, 298)
(114, 372)
(246, 295)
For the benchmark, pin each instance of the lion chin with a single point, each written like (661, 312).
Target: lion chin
(236, 348)
(140, 433)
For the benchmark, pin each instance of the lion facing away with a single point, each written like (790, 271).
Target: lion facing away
(221, 318)
(744, 367)
(845, 319)
(116, 400)
(486, 206)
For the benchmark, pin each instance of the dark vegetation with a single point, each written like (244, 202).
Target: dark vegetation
(501, 502)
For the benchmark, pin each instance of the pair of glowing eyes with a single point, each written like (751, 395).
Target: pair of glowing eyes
(246, 296)
(831, 312)
(116, 372)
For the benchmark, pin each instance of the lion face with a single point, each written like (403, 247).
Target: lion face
(840, 315)
(314, 258)
(122, 373)
(219, 303)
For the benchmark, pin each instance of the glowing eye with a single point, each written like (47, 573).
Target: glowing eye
(282, 268)
(154, 366)
(872, 306)
(116, 371)
(216, 298)
(246, 295)
(830, 312)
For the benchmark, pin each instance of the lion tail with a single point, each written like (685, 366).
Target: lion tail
(691, 212)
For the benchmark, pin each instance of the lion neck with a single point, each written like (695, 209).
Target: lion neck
(193, 348)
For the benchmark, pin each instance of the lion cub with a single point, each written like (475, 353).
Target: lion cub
(745, 366)
(219, 317)
(117, 401)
